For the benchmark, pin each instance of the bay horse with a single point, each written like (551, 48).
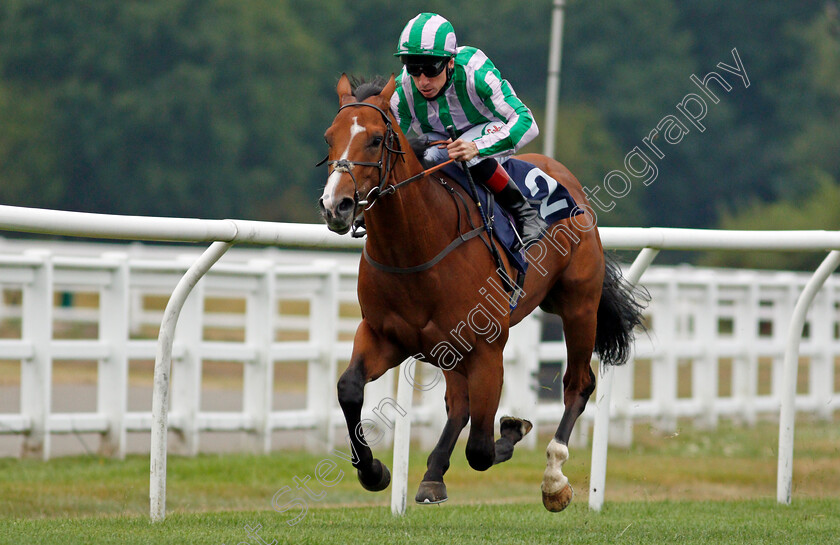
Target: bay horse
(415, 298)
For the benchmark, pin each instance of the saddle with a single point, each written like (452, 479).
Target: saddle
(551, 200)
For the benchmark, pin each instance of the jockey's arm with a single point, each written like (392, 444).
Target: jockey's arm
(519, 124)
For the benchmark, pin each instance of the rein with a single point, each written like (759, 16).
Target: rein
(457, 241)
(393, 188)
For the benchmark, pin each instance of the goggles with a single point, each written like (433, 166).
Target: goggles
(429, 69)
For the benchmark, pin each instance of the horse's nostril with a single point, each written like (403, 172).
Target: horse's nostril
(346, 205)
(323, 209)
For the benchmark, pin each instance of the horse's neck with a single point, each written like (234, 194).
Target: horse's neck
(413, 224)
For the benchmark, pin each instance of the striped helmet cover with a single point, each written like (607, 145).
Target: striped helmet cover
(428, 34)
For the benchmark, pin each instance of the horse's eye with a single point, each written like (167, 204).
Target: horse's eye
(375, 141)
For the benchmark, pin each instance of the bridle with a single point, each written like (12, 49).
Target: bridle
(384, 165)
(386, 162)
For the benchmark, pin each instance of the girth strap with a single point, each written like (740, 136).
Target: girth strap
(460, 239)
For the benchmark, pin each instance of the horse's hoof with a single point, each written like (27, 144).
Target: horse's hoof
(431, 492)
(557, 501)
(514, 424)
(381, 477)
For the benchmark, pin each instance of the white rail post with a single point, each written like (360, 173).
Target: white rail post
(621, 426)
(748, 384)
(621, 401)
(664, 367)
(321, 371)
(36, 373)
(752, 364)
(402, 437)
(784, 480)
(163, 361)
(187, 372)
(112, 388)
(782, 310)
(792, 294)
(704, 371)
(135, 316)
(821, 370)
(258, 388)
(600, 433)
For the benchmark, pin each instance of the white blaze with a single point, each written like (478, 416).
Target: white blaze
(332, 181)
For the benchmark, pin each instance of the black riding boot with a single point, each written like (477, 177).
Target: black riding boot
(528, 222)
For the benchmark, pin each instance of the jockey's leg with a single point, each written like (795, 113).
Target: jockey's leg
(529, 224)
(432, 154)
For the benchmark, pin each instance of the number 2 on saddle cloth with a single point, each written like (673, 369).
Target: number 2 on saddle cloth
(552, 200)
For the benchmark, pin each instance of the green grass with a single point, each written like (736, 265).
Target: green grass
(689, 487)
(757, 521)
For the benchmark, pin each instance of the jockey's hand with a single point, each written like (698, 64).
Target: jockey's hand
(461, 150)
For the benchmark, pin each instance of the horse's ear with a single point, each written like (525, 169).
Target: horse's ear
(388, 90)
(344, 90)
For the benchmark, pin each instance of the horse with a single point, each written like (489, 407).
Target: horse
(416, 292)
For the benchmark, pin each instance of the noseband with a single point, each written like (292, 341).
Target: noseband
(384, 165)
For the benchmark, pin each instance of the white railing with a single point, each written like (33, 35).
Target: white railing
(704, 323)
(36, 349)
(122, 285)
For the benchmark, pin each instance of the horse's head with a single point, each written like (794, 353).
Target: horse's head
(359, 157)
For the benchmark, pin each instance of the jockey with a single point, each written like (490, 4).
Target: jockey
(442, 84)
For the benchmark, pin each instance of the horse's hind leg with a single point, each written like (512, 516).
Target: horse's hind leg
(484, 378)
(432, 489)
(372, 357)
(579, 322)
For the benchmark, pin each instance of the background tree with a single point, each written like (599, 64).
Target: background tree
(176, 108)
(28, 163)
(216, 108)
(809, 105)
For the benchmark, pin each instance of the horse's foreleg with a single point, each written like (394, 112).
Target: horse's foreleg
(578, 385)
(433, 489)
(372, 357)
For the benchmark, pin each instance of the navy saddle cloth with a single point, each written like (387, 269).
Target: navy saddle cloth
(551, 200)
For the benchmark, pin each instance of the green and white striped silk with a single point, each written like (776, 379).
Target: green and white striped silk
(476, 94)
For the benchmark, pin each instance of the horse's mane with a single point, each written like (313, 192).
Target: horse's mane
(363, 88)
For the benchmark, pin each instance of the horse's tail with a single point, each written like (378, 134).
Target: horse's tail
(619, 312)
